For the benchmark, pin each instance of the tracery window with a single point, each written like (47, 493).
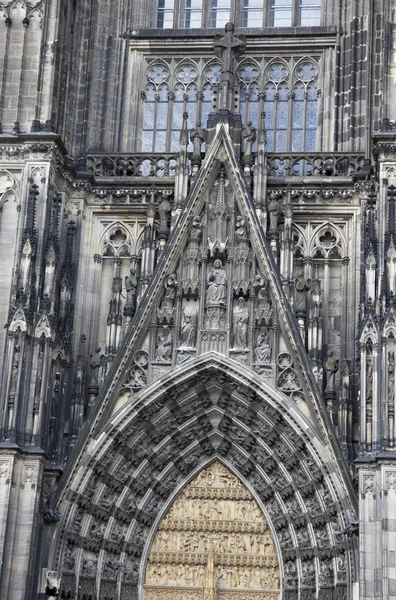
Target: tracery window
(286, 90)
(175, 88)
(244, 13)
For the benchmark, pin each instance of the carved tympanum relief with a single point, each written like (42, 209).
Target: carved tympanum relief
(213, 543)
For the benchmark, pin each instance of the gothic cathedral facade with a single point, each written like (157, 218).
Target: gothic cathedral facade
(198, 299)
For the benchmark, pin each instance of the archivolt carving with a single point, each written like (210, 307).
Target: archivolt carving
(154, 447)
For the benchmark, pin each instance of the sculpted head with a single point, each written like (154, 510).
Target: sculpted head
(229, 27)
(217, 263)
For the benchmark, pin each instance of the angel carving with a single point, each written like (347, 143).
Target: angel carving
(228, 47)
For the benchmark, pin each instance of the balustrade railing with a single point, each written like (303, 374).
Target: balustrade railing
(280, 164)
(297, 164)
(131, 165)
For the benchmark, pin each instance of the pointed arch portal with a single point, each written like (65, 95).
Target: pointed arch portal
(129, 476)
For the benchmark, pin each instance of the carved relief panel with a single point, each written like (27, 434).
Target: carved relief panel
(213, 543)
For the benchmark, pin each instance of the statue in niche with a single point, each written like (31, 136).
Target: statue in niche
(240, 228)
(164, 209)
(165, 312)
(331, 366)
(263, 351)
(170, 290)
(39, 374)
(131, 286)
(187, 332)
(15, 369)
(216, 292)
(228, 47)
(240, 322)
(391, 377)
(95, 363)
(264, 310)
(369, 379)
(163, 352)
(301, 287)
(196, 228)
(248, 138)
(197, 137)
(274, 210)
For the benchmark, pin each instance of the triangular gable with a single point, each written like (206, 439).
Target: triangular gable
(220, 155)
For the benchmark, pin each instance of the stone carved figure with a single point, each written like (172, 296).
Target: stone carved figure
(196, 228)
(263, 350)
(274, 210)
(332, 365)
(228, 47)
(240, 323)
(301, 287)
(216, 292)
(163, 352)
(15, 369)
(197, 137)
(165, 312)
(240, 228)
(170, 290)
(248, 138)
(391, 377)
(369, 379)
(188, 327)
(131, 286)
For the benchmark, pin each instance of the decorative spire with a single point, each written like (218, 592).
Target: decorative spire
(220, 206)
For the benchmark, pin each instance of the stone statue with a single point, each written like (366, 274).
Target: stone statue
(274, 211)
(170, 290)
(197, 137)
(240, 228)
(331, 366)
(240, 321)
(248, 138)
(187, 332)
(163, 211)
(228, 47)
(263, 351)
(216, 292)
(301, 286)
(95, 358)
(131, 286)
(196, 229)
(391, 377)
(164, 345)
(15, 369)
